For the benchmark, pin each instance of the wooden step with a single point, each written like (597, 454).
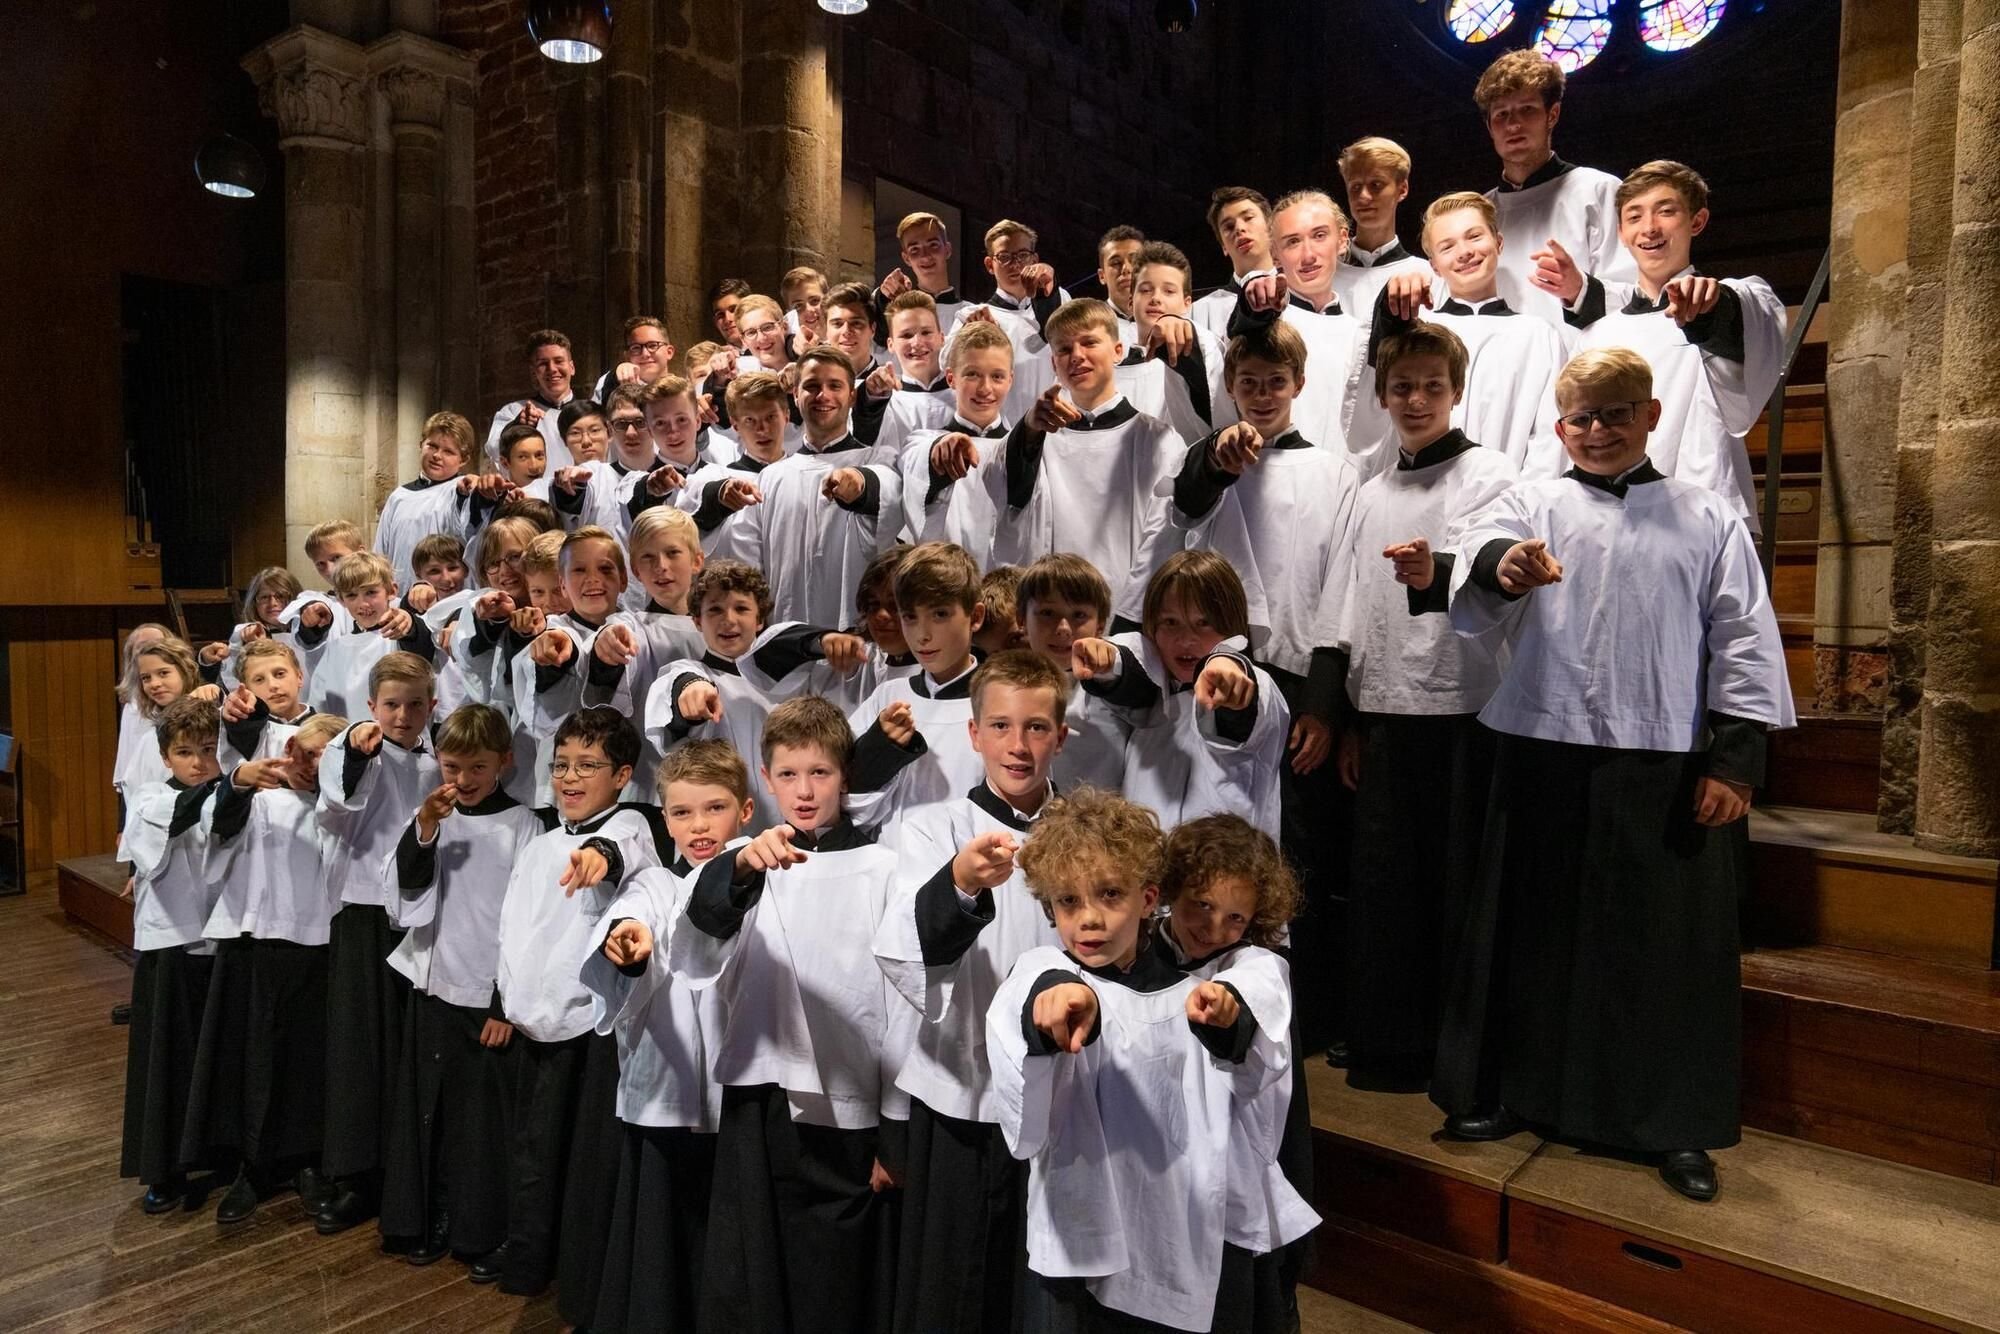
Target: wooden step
(1830, 760)
(1802, 1237)
(1793, 576)
(1889, 1057)
(91, 891)
(1321, 1313)
(1827, 877)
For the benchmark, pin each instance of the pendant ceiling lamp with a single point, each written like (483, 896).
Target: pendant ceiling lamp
(574, 32)
(229, 167)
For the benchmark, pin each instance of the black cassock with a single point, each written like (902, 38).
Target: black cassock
(371, 999)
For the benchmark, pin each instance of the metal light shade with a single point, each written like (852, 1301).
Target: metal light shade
(229, 167)
(843, 6)
(575, 32)
(1174, 15)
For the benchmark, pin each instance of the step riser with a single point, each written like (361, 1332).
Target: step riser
(1802, 896)
(1403, 1198)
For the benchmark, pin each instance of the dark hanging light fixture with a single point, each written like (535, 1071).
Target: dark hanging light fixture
(229, 167)
(843, 6)
(1174, 15)
(575, 32)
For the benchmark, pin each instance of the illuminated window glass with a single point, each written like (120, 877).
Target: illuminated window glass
(1575, 32)
(1675, 25)
(1479, 20)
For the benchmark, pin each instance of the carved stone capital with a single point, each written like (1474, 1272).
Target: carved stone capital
(418, 76)
(415, 96)
(314, 85)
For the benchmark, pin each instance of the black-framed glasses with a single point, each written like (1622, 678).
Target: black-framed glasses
(1611, 414)
(649, 347)
(628, 423)
(581, 768)
(1013, 259)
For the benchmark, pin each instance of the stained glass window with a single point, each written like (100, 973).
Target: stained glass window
(1675, 25)
(1575, 32)
(1479, 20)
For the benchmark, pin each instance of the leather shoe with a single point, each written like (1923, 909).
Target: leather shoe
(1481, 1126)
(315, 1191)
(488, 1267)
(1692, 1173)
(240, 1202)
(1338, 1055)
(164, 1196)
(434, 1245)
(347, 1209)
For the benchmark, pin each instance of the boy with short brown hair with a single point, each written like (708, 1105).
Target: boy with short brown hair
(1240, 219)
(551, 368)
(1376, 172)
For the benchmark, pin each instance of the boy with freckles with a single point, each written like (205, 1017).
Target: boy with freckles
(1124, 1083)
(1600, 1000)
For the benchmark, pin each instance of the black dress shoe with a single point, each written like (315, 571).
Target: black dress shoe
(1481, 1126)
(315, 1191)
(1692, 1173)
(164, 1196)
(434, 1246)
(347, 1209)
(240, 1202)
(488, 1267)
(1338, 1055)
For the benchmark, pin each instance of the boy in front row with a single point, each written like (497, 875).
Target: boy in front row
(1645, 669)
(782, 932)
(1124, 1083)
(960, 917)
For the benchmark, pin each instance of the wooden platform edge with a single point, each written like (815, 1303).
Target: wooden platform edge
(1355, 1180)
(88, 903)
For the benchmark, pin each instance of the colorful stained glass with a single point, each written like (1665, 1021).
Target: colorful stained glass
(1575, 32)
(1479, 20)
(1675, 25)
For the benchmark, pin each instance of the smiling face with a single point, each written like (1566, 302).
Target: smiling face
(584, 779)
(439, 457)
(271, 603)
(1157, 290)
(763, 331)
(552, 371)
(928, 254)
(824, 396)
(1099, 914)
(403, 709)
(879, 618)
(160, 679)
(914, 338)
(1601, 449)
(528, 459)
(1053, 626)
(647, 348)
(674, 426)
(191, 760)
(1183, 636)
(940, 636)
(446, 576)
(852, 330)
(1311, 240)
(703, 817)
(275, 680)
(593, 578)
(1420, 399)
(1117, 266)
(1264, 392)
(1522, 129)
(1011, 253)
(666, 564)
(1465, 252)
(1245, 235)
(369, 604)
(808, 786)
(1659, 230)
(807, 304)
(1086, 359)
(980, 383)
(1015, 734)
(475, 773)
(1214, 916)
(723, 314)
(729, 622)
(500, 563)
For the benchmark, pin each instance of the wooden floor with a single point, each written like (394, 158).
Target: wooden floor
(76, 1253)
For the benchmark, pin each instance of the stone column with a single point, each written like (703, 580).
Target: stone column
(1933, 132)
(415, 76)
(629, 287)
(315, 86)
(1871, 195)
(700, 95)
(791, 157)
(1958, 801)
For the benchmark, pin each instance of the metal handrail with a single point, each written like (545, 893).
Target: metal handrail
(1774, 434)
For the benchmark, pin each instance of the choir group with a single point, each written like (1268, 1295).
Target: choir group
(859, 827)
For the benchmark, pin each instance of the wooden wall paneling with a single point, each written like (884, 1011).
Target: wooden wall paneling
(63, 668)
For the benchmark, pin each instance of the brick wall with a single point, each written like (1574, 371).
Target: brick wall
(1069, 116)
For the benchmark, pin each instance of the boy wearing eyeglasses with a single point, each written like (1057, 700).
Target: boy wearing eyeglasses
(557, 894)
(649, 354)
(1716, 345)
(1025, 294)
(1597, 999)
